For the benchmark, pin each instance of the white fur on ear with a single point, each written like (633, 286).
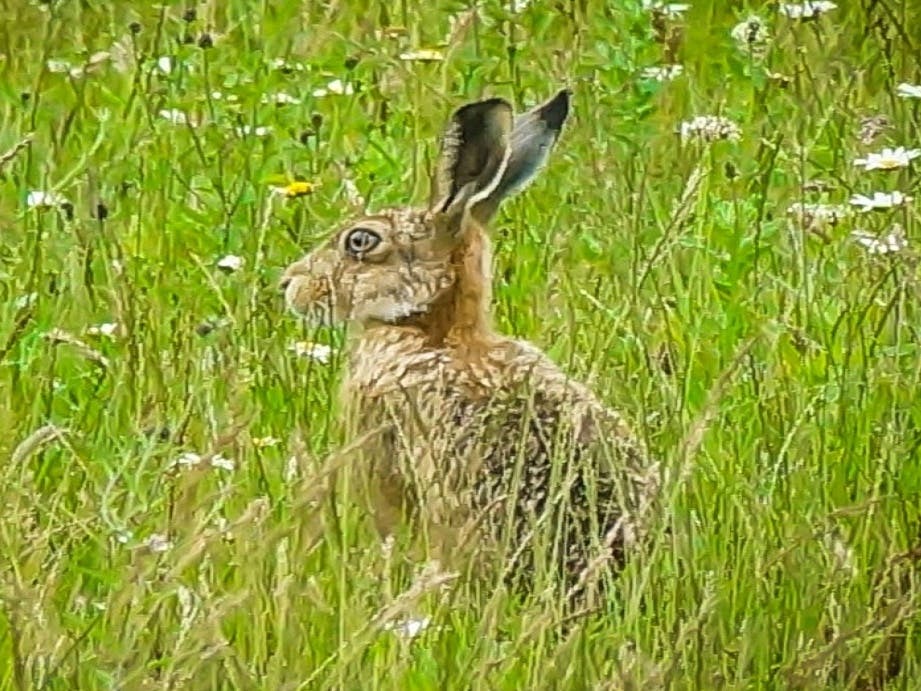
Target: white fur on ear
(488, 190)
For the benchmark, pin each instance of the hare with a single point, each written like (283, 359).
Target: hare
(483, 441)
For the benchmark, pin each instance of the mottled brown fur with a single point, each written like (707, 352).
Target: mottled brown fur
(487, 443)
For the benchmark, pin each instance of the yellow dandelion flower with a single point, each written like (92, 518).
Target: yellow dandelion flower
(298, 188)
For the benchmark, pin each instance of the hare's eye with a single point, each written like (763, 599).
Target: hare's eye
(361, 240)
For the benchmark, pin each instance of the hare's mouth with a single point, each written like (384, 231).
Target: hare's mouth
(307, 302)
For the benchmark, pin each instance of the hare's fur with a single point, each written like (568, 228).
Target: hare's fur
(483, 441)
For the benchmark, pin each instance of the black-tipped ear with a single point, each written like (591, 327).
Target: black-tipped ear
(474, 154)
(533, 136)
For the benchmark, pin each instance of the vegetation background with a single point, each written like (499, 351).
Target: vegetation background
(165, 421)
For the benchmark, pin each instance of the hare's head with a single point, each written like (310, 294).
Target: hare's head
(395, 266)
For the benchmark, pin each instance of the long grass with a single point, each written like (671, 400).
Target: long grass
(774, 366)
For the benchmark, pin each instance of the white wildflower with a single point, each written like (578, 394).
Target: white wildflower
(806, 10)
(779, 78)
(673, 10)
(93, 64)
(281, 99)
(165, 64)
(751, 35)
(842, 556)
(122, 51)
(662, 73)
(257, 131)
(710, 128)
(108, 329)
(230, 263)
(124, 536)
(336, 87)
(176, 116)
(38, 199)
(222, 462)
(520, 5)
(818, 217)
(408, 628)
(314, 351)
(158, 543)
(888, 159)
(25, 300)
(880, 200)
(905, 90)
(283, 65)
(220, 96)
(422, 55)
(352, 193)
(58, 66)
(894, 241)
(187, 459)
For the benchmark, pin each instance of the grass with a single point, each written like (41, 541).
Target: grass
(778, 367)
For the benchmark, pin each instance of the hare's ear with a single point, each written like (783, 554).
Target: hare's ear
(474, 156)
(533, 136)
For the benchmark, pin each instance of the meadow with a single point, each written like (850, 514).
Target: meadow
(732, 285)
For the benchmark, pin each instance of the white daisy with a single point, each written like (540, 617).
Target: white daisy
(906, 90)
(187, 459)
(751, 35)
(95, 62)
(422, 55)
(219, 96)
(230, 263)
(257, 131)
(25, 300)
(315, 351)
(58, 66)
(283, 65)
(806, 10)
(888, 159)
(673, 10)
(662, 73)
(176, 116)
(408, 628)
(894, 241)
(222, 462)
(106, 329)
(818, 217)
(37, 199)
(281, 99)
(710, 128)
(880, 200)
(336, 87)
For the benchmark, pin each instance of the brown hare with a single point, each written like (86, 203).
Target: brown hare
(483, 441)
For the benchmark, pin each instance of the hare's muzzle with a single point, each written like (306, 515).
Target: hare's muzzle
(307, 289)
